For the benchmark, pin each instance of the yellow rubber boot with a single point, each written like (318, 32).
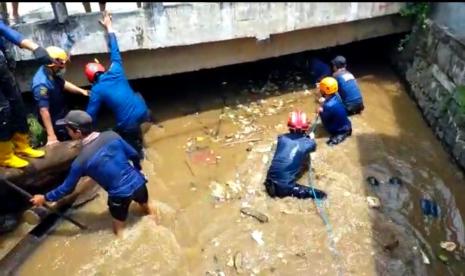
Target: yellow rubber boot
(8, 158)
(21, 143)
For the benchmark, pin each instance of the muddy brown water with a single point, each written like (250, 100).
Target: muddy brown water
(198, 183)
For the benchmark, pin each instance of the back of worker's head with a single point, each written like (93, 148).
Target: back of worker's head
(339, 62)
(93, 70)
(328, 86)
(78, 122)
(60, 58)
(298, 122)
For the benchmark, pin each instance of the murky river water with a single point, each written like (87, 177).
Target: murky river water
(200, 180)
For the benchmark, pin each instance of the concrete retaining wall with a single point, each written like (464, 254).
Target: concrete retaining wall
(168, 38)
(434, 68)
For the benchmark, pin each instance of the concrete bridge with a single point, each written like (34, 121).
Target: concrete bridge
(167, 38)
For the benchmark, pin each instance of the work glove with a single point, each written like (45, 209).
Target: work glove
(42, 56)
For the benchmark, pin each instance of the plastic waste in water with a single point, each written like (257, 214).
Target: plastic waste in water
(429, 207)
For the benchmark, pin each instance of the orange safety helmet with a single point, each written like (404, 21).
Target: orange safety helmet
(328, 85)
(91, 69)
(298, 120)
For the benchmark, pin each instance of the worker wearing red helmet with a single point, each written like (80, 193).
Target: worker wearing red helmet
(291, 155)
(112, 88)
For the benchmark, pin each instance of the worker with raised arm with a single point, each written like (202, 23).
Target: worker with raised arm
(111, 88)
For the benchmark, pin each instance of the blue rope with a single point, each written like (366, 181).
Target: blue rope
(321, 210)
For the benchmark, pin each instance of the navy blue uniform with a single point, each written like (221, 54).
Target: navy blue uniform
(319, 70)
(292, 152)
(48, 91)
(106, 160)
(335, 120)
(349, 91)
(112, 89)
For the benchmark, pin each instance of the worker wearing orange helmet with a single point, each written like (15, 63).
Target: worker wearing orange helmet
(48, 86)
(333, 113)
(111, 87)
(291, 155)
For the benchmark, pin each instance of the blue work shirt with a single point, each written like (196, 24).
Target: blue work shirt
(10, 34)
(348, 87)
(113, 89)
(290, 154)
(105, 160)
(334, 116)
(48, 92)
(319, 69)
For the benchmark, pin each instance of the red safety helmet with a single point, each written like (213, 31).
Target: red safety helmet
(93, 68)
(298, 120)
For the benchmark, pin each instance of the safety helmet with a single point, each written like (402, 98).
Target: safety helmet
(298, 120)
(58, 54)
(328, 85)
(91, 69)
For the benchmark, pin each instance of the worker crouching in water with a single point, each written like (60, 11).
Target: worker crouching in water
(290, 159)
(348, 87)
(105, 158)
(332, 112)
(111, 87)
(14, 138)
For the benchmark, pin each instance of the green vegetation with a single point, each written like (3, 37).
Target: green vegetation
(419, 12)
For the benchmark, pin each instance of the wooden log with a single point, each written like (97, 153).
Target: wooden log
(40, 176)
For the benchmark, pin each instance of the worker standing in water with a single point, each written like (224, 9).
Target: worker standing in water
(105, 158)
(290, 159)
(332, 112)
(348, 87)
(112, 88)
(13, 123)
(318, 70)
(48, 87)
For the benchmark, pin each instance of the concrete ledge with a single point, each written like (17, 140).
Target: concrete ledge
(166, 61)
(179, 24)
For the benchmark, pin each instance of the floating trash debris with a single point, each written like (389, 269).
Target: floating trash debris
(448, 245)
(429, 207)
(255, 214)
(395, 181)
(372, 181)
(373, 202)
(257, 236)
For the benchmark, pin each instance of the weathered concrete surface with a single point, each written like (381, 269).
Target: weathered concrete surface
(451, 15)
(171, 38)
(434, 67)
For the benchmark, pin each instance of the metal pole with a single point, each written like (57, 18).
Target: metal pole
(60, 11)
(28, 195)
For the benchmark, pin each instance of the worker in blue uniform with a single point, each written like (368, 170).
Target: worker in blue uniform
(105, 158)
(332, 112)
(14, 139)
(111, 87)
(290, 160)
(348, 87)
(48, 87)
(318, 70)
